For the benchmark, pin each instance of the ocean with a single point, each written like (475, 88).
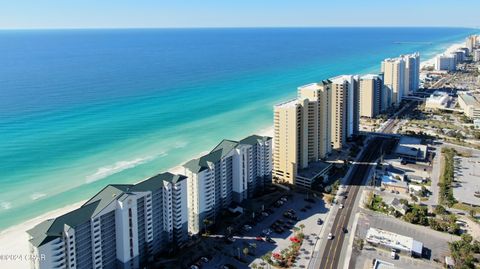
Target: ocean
(80, 109)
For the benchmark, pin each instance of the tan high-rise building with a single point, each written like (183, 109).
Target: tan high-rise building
(394, 79)
(339, 97)
(290, 146)
(318, 95)
(370, 87)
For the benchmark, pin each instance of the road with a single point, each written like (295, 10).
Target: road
(330, 258)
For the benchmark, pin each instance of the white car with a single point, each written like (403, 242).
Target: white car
(341, 206)
(330, 236)
(393, 254)
(247, 227)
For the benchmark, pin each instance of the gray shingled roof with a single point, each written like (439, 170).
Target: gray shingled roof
(220, 151)
(50, 229)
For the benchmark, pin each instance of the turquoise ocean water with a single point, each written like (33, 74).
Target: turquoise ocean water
(80, 109)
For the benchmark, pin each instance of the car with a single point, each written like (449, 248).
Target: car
(341, 206)
(267, 231)
(269, 211)
(319, 221)
(330, 236)
(247, 227)
(230, 239)
(265, 214)
(290, 222)
(344, 229)
(284, 199)
(228, 266)
(204, 259)
(193, 266)
(279, 221)
(279, 230)
(393, 254)
(270, 240)
(259, 238)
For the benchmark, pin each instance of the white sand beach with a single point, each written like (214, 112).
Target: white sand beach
(14, 240)
(431, 62)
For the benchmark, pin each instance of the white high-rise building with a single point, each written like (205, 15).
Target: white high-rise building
(120, 227)
(394, 79)
(346, 85)
(231, 172)
(412, 73)
(445, 62)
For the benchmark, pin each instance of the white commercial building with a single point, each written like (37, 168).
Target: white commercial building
(120, 227)
(446, 62)
(470, 105)
(394, 241)
(438, 100)
(231, 172)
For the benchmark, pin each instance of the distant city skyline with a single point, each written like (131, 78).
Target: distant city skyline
(30, 14)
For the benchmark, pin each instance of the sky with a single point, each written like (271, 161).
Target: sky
(28, 14)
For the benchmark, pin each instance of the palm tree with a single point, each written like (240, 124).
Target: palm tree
(296, 229)
(254, 266)
(302, 226)
(206, 222)
(245, 251)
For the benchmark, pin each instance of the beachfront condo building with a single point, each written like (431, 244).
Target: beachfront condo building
(230, 173)
(446, 62)
(120, 227)
(290, 133)
(412, 73)
(472, 42)
(344, 114)
(370, 88)
(393, 70)
(318, 118)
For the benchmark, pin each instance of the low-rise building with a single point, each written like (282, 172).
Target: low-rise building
(476, 55)
(391, 183)
(470, 105)
(395, 241)
(438, 101)
(411, 148)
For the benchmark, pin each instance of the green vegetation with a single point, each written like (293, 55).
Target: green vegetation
(446, 179)
(417, 214)
(463, 250)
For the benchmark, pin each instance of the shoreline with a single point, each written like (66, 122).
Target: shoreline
(14, 239)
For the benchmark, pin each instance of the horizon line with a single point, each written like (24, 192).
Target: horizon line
(231, 27)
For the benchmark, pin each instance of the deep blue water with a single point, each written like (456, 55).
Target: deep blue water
(83, 108)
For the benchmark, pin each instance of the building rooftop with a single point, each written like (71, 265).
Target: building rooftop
(411, 147)
(393, 240)
(287, 104)
(383, 265)
(313, 170)
(51, 229)
(370, 76)
(469, 99)
(220, 151)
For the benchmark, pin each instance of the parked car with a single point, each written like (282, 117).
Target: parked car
(270, 240)
(319, 221)
(259, 238)
(341, 206)
(204, 259)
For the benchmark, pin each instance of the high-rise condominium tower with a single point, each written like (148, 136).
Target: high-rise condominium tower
(370, 87)
(394, 79)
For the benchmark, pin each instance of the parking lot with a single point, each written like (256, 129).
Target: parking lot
(255, 239)
(434, 243)
(467, 176)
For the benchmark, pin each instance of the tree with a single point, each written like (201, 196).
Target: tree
(254, 266)
(302, 226)
(440, 210)
(206, 222)
(472, 213)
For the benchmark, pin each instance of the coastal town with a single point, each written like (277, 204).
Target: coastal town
(359, 171)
